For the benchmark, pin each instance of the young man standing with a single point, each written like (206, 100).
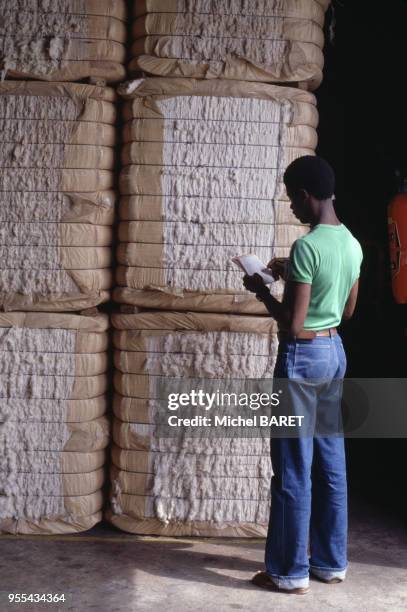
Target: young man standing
(321, 290)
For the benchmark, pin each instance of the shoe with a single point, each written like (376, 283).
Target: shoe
(328, 580)
(263, 580)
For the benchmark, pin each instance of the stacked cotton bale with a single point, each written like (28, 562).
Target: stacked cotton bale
(202, 182)
(277, 41)
(204, 158)
(187, 485)
(63, 40)
(53, 428)
(56, 199)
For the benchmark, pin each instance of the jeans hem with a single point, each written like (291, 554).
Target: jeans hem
(328, 572)
(289, 582)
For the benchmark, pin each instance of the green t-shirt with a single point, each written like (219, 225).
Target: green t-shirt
(329, 259)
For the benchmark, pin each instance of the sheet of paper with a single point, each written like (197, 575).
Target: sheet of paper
(251, 264)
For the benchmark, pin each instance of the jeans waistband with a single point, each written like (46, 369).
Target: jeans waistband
(308, 334)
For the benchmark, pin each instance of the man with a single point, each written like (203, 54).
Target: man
(321, 290)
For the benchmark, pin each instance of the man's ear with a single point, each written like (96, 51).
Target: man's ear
(304, 196)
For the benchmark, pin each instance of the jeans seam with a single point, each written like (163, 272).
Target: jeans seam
(328, 569)
(283, 521)
(287, 578)
(293, 360)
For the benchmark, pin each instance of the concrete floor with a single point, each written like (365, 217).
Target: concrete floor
(107, 570)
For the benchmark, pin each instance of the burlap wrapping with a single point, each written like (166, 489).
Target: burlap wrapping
(136, 514)
(51, 267)
(49, 270)
(146, 463)
(66, 525)
(37, 387)
(144, 437)
(55, 302)
(32, 207)
(197, 254)
(43, 411)
(186, 485)
(143, 146)
(194, 321)
(302, 107)
(57, 462)
(153, 27)
(144, 506)
(57, 159)
(280, 42)
(112, 8)
(57, 290)
(208, 235)
(134, 341)
(151, 278)
(135, 508)
(60, 45)
(292, 110)
(84, 341)
(72, 258)
(58, 131)
(98, 27)
(82, 102)
(224, 487)
(48, 363)
(54, 431)
(192, 365)
(141, 7)
(111, 72)
(65, 485)
(51, 396)
(58, 179)
(140, 254)
(203, 182)
(16, 155)
(133, 409)
(66, 514)
(94, 322)
(55, 234)
(206, 210)
(259, 183)
(152, 526)
(74, 49)
(234, 303)
(81, 437)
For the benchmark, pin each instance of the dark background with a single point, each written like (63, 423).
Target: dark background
(363, 134)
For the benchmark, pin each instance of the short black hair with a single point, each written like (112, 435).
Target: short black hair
(313, 174)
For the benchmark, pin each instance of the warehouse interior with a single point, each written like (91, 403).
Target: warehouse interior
(362, 132)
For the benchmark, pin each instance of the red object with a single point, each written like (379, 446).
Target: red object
(397, 225)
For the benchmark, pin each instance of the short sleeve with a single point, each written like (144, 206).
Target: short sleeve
(303, 262)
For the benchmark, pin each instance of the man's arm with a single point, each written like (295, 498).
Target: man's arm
(351, 302)
(298, 298)
(290, 314)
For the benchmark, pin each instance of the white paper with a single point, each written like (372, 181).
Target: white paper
(251, 264)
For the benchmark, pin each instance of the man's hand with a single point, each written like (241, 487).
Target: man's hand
(278, 267)
(254, 283)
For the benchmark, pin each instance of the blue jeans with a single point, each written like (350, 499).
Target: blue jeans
(308, 488)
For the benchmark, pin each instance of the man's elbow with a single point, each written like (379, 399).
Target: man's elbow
(348, 313)
(294, 329)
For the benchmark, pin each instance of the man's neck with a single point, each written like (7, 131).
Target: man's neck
(326, 214)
